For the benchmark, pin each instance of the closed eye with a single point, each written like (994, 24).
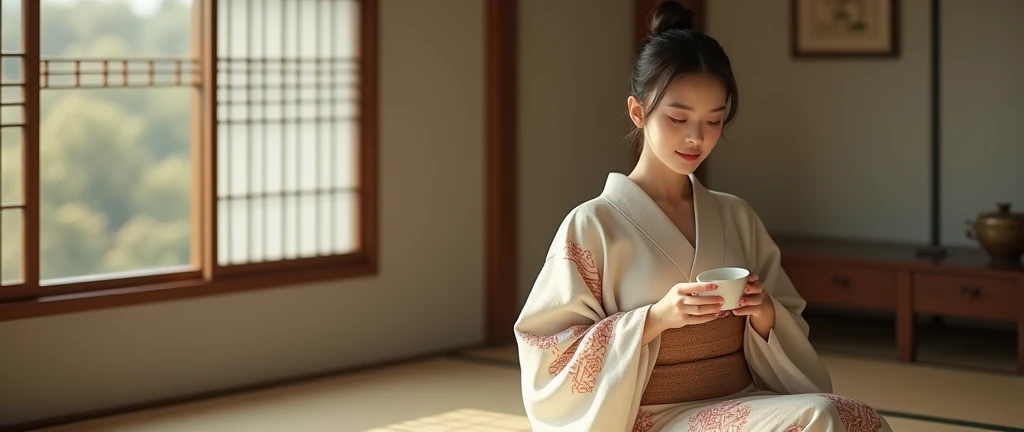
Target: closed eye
(715, 123)
(675, 120)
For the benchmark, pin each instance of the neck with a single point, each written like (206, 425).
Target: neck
(659, 181)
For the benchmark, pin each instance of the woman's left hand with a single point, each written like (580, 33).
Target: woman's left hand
(753, 300)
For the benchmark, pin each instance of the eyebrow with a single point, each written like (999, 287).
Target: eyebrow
(690, 108)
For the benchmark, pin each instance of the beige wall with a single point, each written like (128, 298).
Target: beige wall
(982, 107)
(846, 143)
(820, 146)
(574, 64)
(431, 217)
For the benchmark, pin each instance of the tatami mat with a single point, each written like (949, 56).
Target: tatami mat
(939, 393)
(358, 402)
(901, 425)
(479, 391)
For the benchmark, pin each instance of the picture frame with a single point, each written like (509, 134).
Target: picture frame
(845, 28)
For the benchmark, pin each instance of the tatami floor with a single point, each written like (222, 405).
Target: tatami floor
(478, 391)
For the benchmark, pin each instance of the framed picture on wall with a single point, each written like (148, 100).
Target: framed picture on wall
(845, 28)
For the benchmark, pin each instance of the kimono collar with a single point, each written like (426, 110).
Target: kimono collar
(644, 213)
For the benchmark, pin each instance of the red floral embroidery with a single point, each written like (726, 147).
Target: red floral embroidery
(855, 415)
(551, 342)
(588, 363)
(579, 330)
(560, 362)
(584, 261)
(542, 342)
(644, 421)
(795, 428)
(728, 416)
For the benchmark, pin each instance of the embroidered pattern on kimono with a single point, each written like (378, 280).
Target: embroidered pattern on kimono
(644, 421)
(855, 415)
(728, 416)
(585, 264)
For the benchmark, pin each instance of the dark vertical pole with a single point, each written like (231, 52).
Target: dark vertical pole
(936, 235)
(935, 250)
(500, 164)
(369, 123)
(205, 120)
(30, 29)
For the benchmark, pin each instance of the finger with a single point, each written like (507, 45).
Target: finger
(751, 300)
(752, 288)
(746, 310)
(693, 288)
(753, 277)
(702, 300)
(702, 309)
(701, 319)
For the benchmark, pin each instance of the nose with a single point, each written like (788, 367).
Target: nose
(694, 135)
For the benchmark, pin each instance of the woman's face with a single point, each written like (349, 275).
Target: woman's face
(687, 123)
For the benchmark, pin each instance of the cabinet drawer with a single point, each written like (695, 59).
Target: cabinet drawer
(844, 286)
(976, 297)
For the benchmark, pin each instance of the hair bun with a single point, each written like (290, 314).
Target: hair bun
(671, 15)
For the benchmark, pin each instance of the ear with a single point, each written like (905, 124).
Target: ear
(636, 111)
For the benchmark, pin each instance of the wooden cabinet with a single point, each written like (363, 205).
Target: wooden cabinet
(964, 296)
(859, 275)
(837, 285)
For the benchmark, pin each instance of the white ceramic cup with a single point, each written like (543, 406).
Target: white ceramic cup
(730, 281)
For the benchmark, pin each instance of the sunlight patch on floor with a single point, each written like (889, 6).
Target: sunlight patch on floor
(462, 420)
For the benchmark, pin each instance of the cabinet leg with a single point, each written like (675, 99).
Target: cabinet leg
(1020, 342)
(1020, 329)
(905, 344)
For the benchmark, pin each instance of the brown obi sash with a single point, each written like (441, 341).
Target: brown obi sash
(699, 362)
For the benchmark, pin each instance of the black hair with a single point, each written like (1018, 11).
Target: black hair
(675, 48)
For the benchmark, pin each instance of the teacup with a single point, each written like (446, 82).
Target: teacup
(730, 280)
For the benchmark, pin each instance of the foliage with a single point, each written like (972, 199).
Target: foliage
(115, 163)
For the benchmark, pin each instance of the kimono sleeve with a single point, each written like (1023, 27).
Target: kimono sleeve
(583, 367)
(786, 362)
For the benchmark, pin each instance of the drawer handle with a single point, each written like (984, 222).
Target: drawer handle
(970, 292)
(841, 281)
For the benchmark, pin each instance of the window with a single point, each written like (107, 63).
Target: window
(183, 146)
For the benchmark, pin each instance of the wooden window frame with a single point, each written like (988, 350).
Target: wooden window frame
(207, 276)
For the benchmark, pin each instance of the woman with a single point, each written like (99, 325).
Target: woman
(613, 337)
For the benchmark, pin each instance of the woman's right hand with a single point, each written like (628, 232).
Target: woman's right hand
(681, 306)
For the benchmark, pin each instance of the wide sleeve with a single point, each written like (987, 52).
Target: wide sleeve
(583, 367)
(785, 362)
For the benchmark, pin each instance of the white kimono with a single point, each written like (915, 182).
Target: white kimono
(579, 334)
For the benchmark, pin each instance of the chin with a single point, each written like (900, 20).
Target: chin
(684, 169)
(680, 166)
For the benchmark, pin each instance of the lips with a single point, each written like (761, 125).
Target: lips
(689, 156)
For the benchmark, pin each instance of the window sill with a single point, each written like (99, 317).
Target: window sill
(184, 289)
